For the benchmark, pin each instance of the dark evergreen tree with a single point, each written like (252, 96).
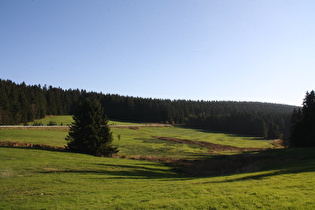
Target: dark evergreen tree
(90, 133)
(303, 123)
(297, 129)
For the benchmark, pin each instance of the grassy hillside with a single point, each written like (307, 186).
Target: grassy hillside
(59, 120)
(33, 178)
(37, 179)
(67, 120)
(140, 142)
(53, 137)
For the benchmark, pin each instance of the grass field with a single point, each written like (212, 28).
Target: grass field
(41, 179)
(139, 142)
(67, 120)
(59, 120)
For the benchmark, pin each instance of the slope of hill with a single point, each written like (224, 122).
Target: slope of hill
(41, 179)
(179, 175)
(21, 103)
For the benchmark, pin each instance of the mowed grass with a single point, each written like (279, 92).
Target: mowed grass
(132, 142)
(40, 179)
(139, 142)
(52, 137)
(58, 119)
(68, 119)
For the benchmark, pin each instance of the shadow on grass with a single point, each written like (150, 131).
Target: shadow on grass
(147, 170)
(231, 134)
(37, 148)
(117, 171)
(295, 168)
(269, 163)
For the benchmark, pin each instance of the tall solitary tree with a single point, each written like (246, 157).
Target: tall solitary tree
(90, 133)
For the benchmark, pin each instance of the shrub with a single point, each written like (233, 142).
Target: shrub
(52, 123)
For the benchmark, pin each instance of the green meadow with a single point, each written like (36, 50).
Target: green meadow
(141, 141)
(33, 178)
(39, 179)
(59, 120)
(67, 120)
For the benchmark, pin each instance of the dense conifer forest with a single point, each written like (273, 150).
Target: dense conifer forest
(21, 103)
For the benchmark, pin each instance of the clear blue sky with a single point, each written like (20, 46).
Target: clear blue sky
(244, 50)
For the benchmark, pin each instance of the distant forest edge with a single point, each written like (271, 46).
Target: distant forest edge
(21, 103)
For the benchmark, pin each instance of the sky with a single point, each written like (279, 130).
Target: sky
(244, 50)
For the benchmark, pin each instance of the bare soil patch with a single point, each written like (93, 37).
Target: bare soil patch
(220, 164)
(38, 146)
(149, 158)
(210, 146)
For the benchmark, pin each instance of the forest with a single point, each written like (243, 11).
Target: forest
(21, 103)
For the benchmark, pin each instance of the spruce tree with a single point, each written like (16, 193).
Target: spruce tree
(90, 133)
(303, 123)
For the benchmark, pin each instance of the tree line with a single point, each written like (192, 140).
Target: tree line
(21, 103)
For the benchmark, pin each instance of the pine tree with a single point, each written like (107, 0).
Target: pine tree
(297, 129)
(90, 133)
(303, 123)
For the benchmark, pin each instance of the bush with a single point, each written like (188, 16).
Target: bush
(52, 123)
(38, 124)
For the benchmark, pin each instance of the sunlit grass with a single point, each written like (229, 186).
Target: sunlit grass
(34, 136)
(68, 119)
(38, 179)
(210, 136)
(146, 133)
(58, 119)
(139, 142)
